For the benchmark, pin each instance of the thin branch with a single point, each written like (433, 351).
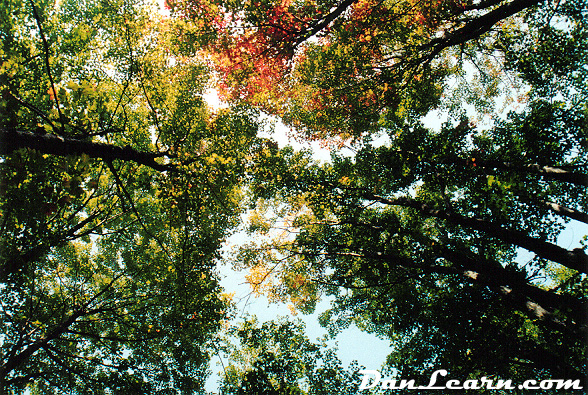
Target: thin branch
(134, 209)
(47, 65)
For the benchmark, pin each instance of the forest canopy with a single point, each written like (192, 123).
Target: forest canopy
(458, 137)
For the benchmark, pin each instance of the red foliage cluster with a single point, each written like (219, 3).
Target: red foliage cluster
(363, 9)
(251, 60)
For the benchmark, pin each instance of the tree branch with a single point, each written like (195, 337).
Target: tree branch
(62, 146)
(575, 259)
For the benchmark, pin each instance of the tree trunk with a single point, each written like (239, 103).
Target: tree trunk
(476, 27)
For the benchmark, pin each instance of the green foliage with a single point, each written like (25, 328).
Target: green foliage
(119, 186)
(417, 239)
(276, 357)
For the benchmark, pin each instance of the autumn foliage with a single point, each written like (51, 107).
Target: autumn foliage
(330, 68)
(438, 228)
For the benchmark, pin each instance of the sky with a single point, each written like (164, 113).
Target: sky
(352, 344)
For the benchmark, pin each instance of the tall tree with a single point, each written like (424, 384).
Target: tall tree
(118, 189)
(422, 248)
(418, 239)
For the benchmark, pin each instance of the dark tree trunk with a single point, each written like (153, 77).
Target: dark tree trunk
(476, 27)
(64, 146)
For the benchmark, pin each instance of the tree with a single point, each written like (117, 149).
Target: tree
(423, 251)
(276, 357)
(118, 188)
(417, 238)
(120, 185)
